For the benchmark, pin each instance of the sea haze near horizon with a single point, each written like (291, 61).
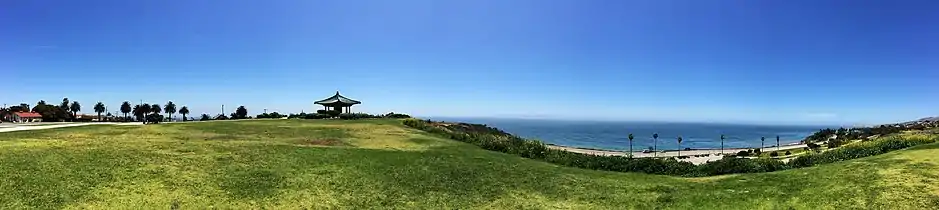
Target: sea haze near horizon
(612, 135)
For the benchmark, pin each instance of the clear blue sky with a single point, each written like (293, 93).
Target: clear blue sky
(798, 61)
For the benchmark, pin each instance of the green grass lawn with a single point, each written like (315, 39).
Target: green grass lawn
(316, 164)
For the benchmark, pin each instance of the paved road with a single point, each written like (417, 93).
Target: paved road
(29, 126)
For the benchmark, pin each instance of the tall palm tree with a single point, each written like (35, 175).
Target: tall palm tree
(762, 142)
(99, 108)
(75, 108)
(65, 106)
(777, 143)
(137, 111)
(144, 110)
(722, 144)
(184, 111)
(679, 146)
(631, 145)
(125, 108)
(655, 144)
(170, 109)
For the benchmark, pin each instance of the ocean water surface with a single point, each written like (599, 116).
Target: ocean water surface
(613, 135)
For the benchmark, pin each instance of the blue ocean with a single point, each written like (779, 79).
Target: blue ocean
(613, 135)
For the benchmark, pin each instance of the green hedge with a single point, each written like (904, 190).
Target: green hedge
(355, 116)
(496, 140)
(859, 150)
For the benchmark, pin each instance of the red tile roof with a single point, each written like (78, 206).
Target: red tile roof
(28, 114)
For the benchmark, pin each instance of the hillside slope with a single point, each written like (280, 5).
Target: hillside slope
(294, 164)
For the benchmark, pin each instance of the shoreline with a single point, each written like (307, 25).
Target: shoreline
(692, 149)
(704, 155)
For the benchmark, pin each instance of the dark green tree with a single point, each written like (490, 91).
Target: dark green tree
(99, 108)
(126, 108)
(205, 117)
(141, 111)
(155, 108)
(241, 113)
(170, 109)
(24, 107)
(184, 111)
(75, 108)
(65, 105)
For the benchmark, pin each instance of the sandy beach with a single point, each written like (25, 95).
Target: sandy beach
(713, 154)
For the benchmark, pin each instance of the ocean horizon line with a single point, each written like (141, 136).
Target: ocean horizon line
(737, 123)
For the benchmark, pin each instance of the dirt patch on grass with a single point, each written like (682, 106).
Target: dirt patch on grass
(322, 142)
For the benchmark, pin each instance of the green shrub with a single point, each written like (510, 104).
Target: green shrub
(773, 154)
(396, 115)
(834, 143)
(154, 118)
(270, 115)
(355, 116)
(813, 146)
(733, 165)
(788, 153)
(316, 116)
(743, 153)
(859, 150)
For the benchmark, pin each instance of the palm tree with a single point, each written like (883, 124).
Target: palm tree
(65, 105)
(655, 144)
(762, 142)
(184, 111)
(75, 108)
(631, 145)
(155, 108)
(722, 144)
(142, 111)
(679, 146)
(777, 143)
(99, 108)
(170, 109)
(125, 108)
(137, 110)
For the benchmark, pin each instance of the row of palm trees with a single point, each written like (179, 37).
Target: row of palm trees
(141, 110)
(70, 109)
(655, 140)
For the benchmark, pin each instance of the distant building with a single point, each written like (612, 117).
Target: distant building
(27, 117)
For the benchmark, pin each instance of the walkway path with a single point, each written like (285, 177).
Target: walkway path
(26, 127)
(713, 154)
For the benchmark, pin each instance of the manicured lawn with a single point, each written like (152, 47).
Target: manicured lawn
(366, 164)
